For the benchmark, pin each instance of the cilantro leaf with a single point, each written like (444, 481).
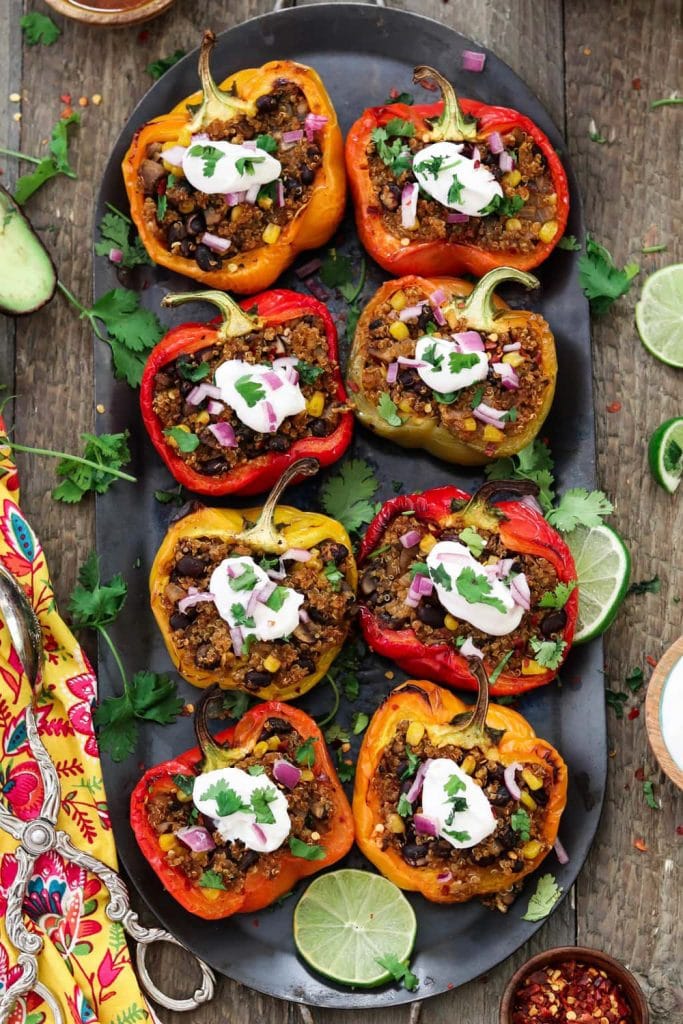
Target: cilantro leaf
(109, 451)
(503, 206)
(474, 541)
(148, 696)
(534, 463)
(252, 391)
(347, 495)
(333, 575)
(652, 586)
(615, 699)
(277, 599)
(458, 361)
(401, 97)
(256, 769)
(601, 280)
(239, 614)
(548, 653)
(191, 371)
(210, 155)
(49, 166)
(132, 331)
(397, 126)
(635, 679)
(160, 66)
(404, 806)
(211, 880)
(184, 439)
(359, 722)
(235, 703)
(117, 730)
(336, 270)
(650, 798)
(260, 799)
(305, 850)
(455, 190)
(394, 154)
(39, 28)
(386, 407)
(520, 822)
(579, 507)
(227, 800)
(399, 970)
(153, 697)
(453, 786)
(440, 576)
(558, 597)
(115, 229)
(460, 837)
(305, 754)
(419, 569)
(267, 143)
(476, 589)
(544, 899)
(569, 243)
(499, 668)
(185, 783)
(308, 373)
(245, 164)
(246, 579)
(414, 761)
(93, 603)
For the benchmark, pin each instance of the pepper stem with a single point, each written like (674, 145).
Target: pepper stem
(479, 309)
(478, 510)
(213, 755)
(477, 722)
(263, 535)
(215, 105)
(235, 321)
(452, 125)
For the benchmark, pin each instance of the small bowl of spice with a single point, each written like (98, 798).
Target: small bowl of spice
(573, 985)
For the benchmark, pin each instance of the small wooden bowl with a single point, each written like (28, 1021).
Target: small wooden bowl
(653, 701)
(143, 11)
(584, 955)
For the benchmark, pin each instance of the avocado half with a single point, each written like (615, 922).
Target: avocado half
(29, 277)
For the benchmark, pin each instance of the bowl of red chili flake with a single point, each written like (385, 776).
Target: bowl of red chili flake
(573, 985)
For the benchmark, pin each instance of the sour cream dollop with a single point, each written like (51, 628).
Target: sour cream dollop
(212, 167)
(241, 824)
(267, 621)
(465, 828)
(442, 167)
(261, 396)
(447, 562)
(444, 370)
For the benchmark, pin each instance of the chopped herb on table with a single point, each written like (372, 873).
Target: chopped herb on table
(337, 272)
(39, 28)
(650, 798)
(652, 586)
(49, 166)
(616, 700)
(159, 67)
(601, 280)
(544, 899)
(635, 679)
(569, 243)
(579, 506)
(347, 496)
(399, 970)
(115, 232)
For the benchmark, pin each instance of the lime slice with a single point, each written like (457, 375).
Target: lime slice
(603, 569)
(346, 919)
(665, 453)
(659, 315)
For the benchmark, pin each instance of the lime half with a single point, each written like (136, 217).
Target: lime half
(665, 452)
(348, 918)
(603, 569)
(659, 314)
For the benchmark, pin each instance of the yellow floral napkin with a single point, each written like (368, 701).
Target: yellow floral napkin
(85, 961)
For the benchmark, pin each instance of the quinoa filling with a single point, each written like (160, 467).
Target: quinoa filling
(525, 218)
(324, 616)
(310, 807)
(180, 215)
(303, 338)
(387, 579)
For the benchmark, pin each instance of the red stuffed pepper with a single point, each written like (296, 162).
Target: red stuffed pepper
(230, 829)
(454, 187)
(229, 405)
(446, 577)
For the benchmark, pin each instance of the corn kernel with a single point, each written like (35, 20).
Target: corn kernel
(532, 668)
(307, 775)
(184, 136)
(513, 359)
(468, 765)
(531, 850)
(398, 300)
(172, 168)
(450, 623)
(235, 215)
(396, 824)
(167, 841)
(271, 663)
(399, 330)
(493, 433)
(414, 733)
(211, 894)
(531, 780)
(271, 234)
(260, 748)
(273, 743)
(316, 403)
(513, 224)
(203, 418)
(182, 797)
(171, 440)
(528, 800)
(548, 231)
(427, 543)
(265, 202)
(404, 405)
(512, 178)
(469, 424)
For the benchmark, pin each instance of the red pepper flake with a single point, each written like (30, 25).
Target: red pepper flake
(640, 774)
(143, 36)
(65, 97)
(634, 713)
(570, 991)
(614, 407)
(679, 830)
(641, 845)
(635, 84)
(652, 662)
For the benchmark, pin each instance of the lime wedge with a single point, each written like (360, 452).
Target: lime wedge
(665, 452)
(659, 315)
(346, 919)
(603, 569)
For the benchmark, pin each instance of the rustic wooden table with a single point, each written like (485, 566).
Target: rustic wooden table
(586, 59)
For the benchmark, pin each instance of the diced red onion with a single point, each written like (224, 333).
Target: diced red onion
(291, 375)
(438, 297)
(224, 434)
(215, 408)
(416, 786)
(306, 269)
(285, 361)
(279, 193)
(438, 316)
(215, 242)
(193, 597)
(470, 650)
(444, 877)
(495, 143)
(234, 198)
(510, 782)
(425, 585)
(202, 391)
(476, 155)
(174, 155)
(249, 144)
(296, 555)
(457, 218)
(512, 347)
(232, 571)
(473, 60)
(303, 615)
(237, 638)
(259, 833)
(484, 417)
(519, 592)
(392, 373)
(293, 136)
(503, 567)
(197, 838)
(116, 255)
(259, 595)
(469, 341)
(488, 410)
(411, 538)
(414, 596)
(200, 137)
(272, 417)
(409, 197)
(314, 123)
(277, 574)
(272, 380)
(505, 162)
(286, 773)
(562, 854)
(251, 195)
(448, 556)
(411, 312)
(531, 502)
(425, 826)
(406, 361)
(508, 378)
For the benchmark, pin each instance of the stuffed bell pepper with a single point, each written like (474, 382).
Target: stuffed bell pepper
(230, 828)
(445, 577)
(256, 599)
(454, 186)
(239, 178)
(230, 405)
(452, 801)
(442, 365)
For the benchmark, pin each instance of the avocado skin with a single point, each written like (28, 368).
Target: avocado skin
(36, 265)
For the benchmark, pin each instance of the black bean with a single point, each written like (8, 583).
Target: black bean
(374, 324)
(278, 725)
(266, 103)
(255, 680)
(214, 467)
(207, 260)
(188, 565)
(313, 152)
(508, 838)
(317, 616)
(414, 853)
(338, 553)
(187, 248)
(390, 197)
(307, 175)
(517, 866)
(501, 798)
(195, 223)
(369, 583)
(306, 663)
(411, 381)
(176, 232)
(320, 427)
(205, 354)
(425, 318)
(278, 443)
(248, 858)
(179, 621)
(392, 621)
(540, 796)
(553, 622)
(292, 187)
(207, 656)
(430, 615)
